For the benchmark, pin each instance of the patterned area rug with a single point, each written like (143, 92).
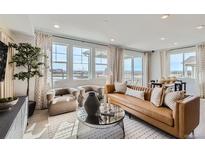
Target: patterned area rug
(66, 126)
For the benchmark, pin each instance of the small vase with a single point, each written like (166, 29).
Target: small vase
(92, 104)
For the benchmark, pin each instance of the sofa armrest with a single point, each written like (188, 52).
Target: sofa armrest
(50, 96)
(109, 88)
(188, 114)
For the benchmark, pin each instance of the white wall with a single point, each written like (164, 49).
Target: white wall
(76, 83)
(154, 66)
(20, 86)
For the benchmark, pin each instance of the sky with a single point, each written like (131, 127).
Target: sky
(176, 60)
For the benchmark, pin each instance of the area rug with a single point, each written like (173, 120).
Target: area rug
(66, 126)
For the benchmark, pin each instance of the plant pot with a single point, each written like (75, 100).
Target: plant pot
(92, 104)
(31, 108)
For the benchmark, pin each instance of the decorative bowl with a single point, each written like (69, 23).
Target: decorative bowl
(8, 104)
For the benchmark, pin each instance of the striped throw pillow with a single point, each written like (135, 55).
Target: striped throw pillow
(171, 98)
(156, 97)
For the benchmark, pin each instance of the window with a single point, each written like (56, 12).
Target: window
(133, 69)
(59, 62)
(100, 63)
(81, 59)
(176, 65)
(183, 64)
(138, 70)
(76, 60)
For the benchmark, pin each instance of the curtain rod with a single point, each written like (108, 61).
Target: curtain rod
(191, 46)
(75, 39)
(85, 41)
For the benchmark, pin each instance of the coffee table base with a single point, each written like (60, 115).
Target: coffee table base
(120, 124)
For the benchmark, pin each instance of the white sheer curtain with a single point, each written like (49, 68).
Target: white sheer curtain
(201, 68)
(163, 63)
(146, 59)
(115, 64)
(42, 84)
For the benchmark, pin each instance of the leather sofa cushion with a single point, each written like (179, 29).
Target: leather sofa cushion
(162, 114)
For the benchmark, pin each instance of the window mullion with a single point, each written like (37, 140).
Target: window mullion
(92, 63)
(183, 65)
(70, 62)
(133, 69)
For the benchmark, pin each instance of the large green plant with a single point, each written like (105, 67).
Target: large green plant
(27, 57)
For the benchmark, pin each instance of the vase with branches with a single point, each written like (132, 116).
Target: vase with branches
(27, 57)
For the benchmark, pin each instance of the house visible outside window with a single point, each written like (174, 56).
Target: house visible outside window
(183, 64)
(81, 63)
(133, 68)
(100, 63)
(59, 62)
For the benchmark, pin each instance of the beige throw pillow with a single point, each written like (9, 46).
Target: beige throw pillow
(171, 98)
(135, 93)
(120, 87)
(156, 96)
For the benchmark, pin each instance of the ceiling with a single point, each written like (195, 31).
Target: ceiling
(134, 31)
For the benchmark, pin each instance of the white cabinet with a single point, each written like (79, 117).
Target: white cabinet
(18, 126)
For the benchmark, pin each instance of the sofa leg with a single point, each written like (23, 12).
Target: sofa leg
(130, 116)
(193, 134)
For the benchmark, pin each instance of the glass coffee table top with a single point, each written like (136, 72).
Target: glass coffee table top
(108, 114)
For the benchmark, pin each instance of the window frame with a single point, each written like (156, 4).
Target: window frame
(101, 64)
(183, 52)
(133, 55)
(70, 44)
(61, 62)
(89, 61)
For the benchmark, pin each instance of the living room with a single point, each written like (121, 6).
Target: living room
(102, 76)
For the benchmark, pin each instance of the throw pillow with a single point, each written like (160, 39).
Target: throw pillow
(135, 93)
(156, 96)
(120, 87)
(172, 97)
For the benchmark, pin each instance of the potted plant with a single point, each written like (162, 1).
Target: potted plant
(28, 59)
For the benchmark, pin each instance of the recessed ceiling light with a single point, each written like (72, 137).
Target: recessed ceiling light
(56, 26)
(175, 43)
(165, 16)
(162, 38)
(112, 39)
(200, 27)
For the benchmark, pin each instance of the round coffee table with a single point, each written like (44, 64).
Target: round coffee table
(108, 116)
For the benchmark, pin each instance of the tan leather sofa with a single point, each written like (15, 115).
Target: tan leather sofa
(179, 123)
(62, 100)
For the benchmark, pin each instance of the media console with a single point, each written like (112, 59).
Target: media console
(14, 121)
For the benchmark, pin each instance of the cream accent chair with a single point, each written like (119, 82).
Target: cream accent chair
(85, 89)
(62, 100)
